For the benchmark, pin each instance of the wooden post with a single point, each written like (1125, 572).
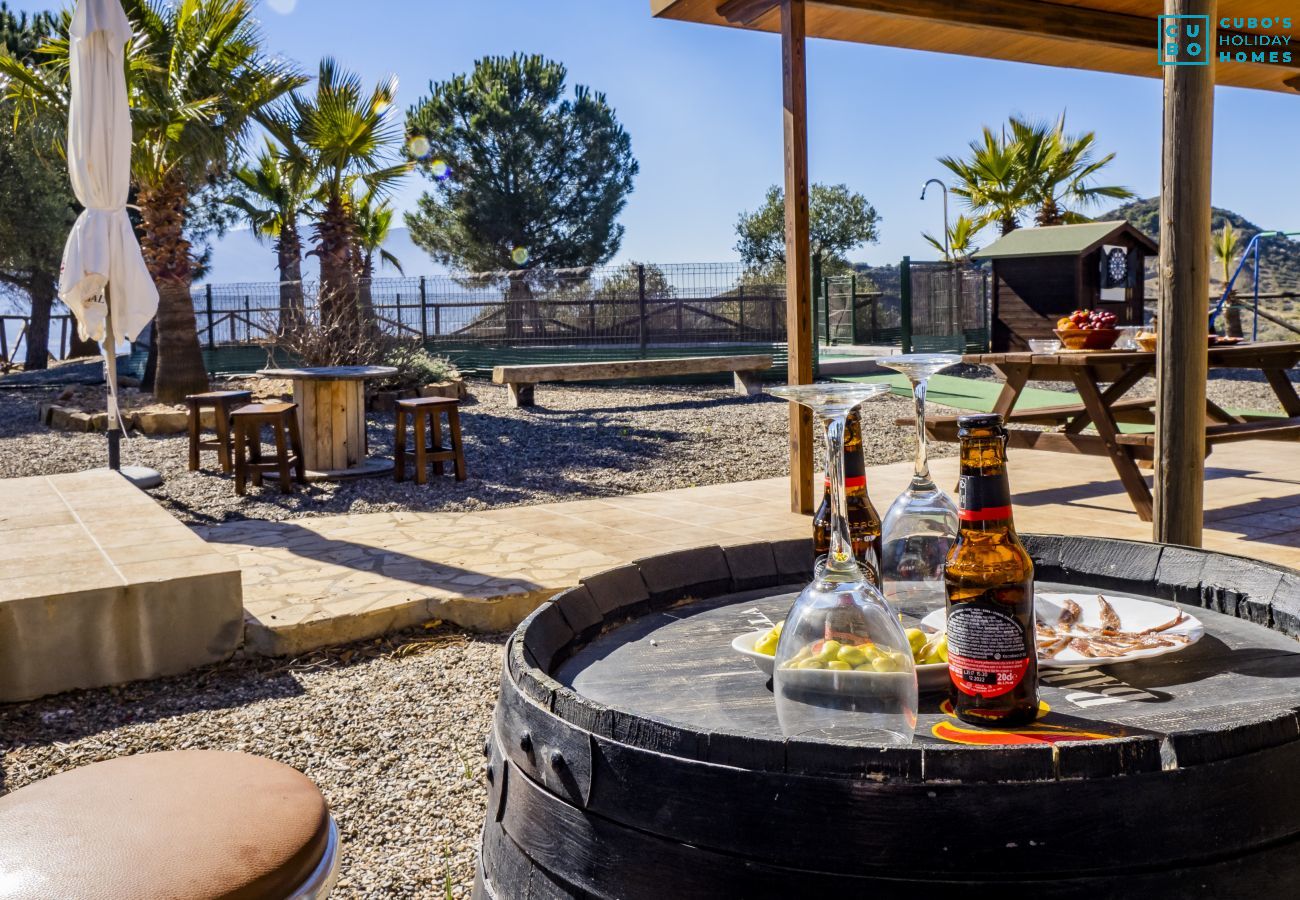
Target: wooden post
(1181, 361)
(798, 263)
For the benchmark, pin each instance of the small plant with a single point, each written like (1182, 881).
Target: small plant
(417, 367)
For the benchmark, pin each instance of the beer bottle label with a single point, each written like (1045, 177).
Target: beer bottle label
(982, 498)
(989, 650)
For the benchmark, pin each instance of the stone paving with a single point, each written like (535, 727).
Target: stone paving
(312, 582)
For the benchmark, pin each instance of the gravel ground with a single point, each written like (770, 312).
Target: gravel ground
(391, 731)
(580, 442)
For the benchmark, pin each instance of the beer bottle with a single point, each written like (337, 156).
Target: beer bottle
(863, 520)
(989, 579)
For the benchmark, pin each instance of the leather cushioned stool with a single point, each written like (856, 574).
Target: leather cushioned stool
(184, 825)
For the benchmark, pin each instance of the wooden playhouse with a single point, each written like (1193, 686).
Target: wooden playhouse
(1041, 274)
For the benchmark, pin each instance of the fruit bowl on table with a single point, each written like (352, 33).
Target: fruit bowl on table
(1088, 338)
(930, 677)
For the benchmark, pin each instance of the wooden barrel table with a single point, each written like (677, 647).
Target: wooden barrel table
(634, 755)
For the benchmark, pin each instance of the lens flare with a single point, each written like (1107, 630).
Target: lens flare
(418, 147)
(283, 7)
(440, 169)
(519, 255)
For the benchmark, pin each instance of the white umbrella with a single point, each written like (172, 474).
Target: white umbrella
(104, 280)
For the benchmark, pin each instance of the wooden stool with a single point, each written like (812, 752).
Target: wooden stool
(182, 823)
(283, 419)
(221, 403)
(430, 409)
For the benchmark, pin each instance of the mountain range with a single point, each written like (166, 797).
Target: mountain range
(1279, 257)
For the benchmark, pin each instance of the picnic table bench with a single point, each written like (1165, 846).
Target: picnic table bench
(1104, 408)
(522, 379)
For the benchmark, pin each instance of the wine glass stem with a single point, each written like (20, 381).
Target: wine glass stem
(840, 558)
(922, 471)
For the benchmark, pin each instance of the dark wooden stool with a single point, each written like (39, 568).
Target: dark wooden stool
(283, 420)
(429, 409)
(221, 402)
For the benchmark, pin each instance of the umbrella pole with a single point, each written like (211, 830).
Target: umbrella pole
(110, 365)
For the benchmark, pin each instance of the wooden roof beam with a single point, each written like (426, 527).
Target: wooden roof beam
(1028, 17)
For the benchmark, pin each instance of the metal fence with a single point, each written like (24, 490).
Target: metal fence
(945, 307)
(633, 306)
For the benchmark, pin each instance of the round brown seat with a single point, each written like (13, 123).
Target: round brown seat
(185, 825)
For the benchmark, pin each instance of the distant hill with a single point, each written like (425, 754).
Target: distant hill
(1279, 258)
(238, 258)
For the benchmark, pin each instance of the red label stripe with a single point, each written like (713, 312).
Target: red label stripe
(856, 481)
(984, 515)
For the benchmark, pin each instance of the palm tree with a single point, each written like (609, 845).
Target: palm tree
(991, 180)
(1225, 244)
(197, 77)
(1035, 167)
(276, 191)
(961, 239)
(354, 137)
(372, 221)
(1059, 169)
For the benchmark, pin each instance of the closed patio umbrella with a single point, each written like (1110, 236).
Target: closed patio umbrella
(104, 280)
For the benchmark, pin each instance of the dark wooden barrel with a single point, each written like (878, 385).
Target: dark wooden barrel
(634, 755)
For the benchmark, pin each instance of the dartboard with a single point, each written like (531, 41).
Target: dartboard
(1116, 267)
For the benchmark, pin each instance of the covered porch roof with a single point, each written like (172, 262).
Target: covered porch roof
(1120, 35)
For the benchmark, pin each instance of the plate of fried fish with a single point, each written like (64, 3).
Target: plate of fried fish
(1090, 629)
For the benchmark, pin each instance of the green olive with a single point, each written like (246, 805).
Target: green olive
(838, 665)
(853, 655)
(812, 664)
(884, 664)
(830, 650)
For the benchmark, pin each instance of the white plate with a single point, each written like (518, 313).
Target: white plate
(1134, 615)
(932, 677)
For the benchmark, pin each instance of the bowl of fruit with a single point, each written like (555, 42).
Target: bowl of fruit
(929, 652)
(1088, 330)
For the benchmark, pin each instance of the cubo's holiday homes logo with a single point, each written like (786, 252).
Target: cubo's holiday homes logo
(1184, 40)
(1189, 40)
(1263, 39)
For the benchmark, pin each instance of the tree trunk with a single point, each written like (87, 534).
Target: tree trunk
(1232, 316)
(1008, 224)
(518, 296)
(77, 348)
(335, 246)
(365, 297)
(288, 248)
(43, 288)
(167, 254)
(1049, 213)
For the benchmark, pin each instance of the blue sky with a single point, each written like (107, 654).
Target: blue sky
(703, 105)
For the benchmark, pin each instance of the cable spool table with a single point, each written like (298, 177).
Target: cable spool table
(633, 754)
(332, 418)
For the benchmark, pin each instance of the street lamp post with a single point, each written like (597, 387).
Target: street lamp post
(947, 254)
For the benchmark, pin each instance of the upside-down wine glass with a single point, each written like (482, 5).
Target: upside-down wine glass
(843, 666)
(921, 524)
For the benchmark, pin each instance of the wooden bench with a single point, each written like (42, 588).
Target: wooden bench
(522, 379)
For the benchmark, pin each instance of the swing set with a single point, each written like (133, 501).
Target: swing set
(1251, 252)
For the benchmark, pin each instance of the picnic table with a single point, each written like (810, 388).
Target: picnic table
(1104, 380)
(634, 754)
(332, 417)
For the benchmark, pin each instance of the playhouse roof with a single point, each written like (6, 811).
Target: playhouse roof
(1062, 240)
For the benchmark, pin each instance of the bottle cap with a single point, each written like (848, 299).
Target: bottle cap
(979, 422)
